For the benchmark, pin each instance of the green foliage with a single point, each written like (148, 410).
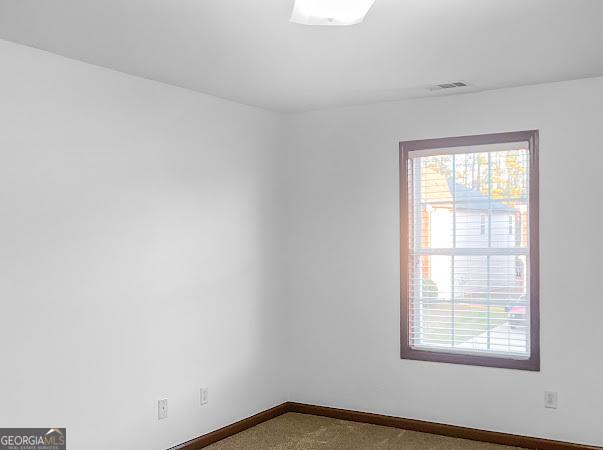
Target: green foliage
(430, 289)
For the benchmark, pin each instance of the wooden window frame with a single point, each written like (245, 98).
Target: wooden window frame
(406, 351)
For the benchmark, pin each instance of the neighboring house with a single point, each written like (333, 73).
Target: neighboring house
(473, 210)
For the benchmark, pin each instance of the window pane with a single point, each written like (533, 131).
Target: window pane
(433, 206)
(502, 312)
(472, 226)
(471, 178)
(510, 226)
(431, 291)
(435, 174)
(509, 175)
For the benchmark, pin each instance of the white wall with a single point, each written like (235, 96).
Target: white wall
(340, 194)
(137, 225)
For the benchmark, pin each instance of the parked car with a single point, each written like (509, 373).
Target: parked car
(518, 313)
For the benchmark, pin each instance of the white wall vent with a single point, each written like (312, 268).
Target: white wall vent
(456, 84)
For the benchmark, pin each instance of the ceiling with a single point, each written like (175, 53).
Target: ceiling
(247, 51)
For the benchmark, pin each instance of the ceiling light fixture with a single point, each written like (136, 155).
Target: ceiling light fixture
(330, 12)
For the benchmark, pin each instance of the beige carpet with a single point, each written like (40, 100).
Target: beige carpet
(294, 431)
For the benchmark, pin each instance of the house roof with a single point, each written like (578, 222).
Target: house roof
(474, 199)
(437, 187)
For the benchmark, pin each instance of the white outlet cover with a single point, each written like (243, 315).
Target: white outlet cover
(550, 400)
(162, 409)
(203, 395)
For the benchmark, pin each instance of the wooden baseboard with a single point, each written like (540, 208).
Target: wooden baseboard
(229, 430)
(387, 421)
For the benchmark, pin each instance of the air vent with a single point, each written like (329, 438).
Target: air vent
(456, 84)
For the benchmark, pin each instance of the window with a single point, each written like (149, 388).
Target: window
(469, 250)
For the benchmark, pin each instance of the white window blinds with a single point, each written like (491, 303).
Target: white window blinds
(468, 253)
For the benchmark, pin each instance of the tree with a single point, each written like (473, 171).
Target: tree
(508, 171)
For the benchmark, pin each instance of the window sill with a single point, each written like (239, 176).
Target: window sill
(530, 364)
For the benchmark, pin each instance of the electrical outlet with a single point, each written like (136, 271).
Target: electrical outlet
(203, 396)
(550, 400)
(162, 408)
